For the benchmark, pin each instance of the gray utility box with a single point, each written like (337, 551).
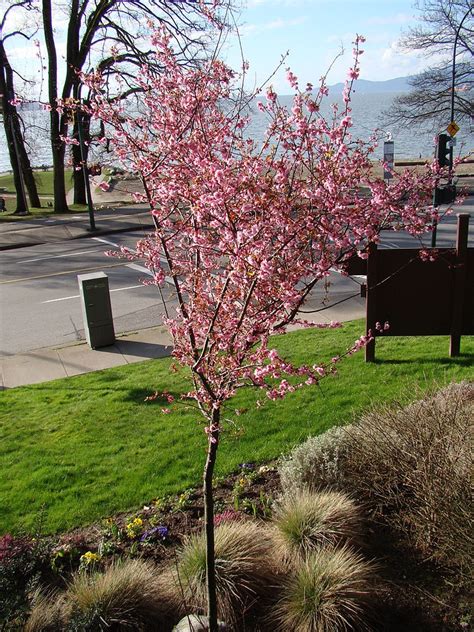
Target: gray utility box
(96, 309)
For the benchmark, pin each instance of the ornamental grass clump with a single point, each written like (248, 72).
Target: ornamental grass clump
(307, 520)
(129, 595)
(331, 591)
(410, 466)
(47, 613)
(245, 570)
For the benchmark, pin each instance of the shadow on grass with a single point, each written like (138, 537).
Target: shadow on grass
(147, 396)
(464, 360)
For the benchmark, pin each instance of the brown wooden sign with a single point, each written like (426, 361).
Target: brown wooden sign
(420, 297)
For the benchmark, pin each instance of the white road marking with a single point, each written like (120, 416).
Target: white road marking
(135, 266)
(106, 241)
(69, 254)
(67, 298)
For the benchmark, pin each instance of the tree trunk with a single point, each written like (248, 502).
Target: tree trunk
(58, 128)
(27, 171)
(58, 123)
(79, 184)
(209, 520)
(21, 202)
(20, 162)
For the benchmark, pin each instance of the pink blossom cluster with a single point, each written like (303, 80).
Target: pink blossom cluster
(245, 230)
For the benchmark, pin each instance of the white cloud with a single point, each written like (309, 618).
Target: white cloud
(279, 23)
(390, 20)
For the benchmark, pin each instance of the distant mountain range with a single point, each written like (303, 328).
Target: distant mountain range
(362, 86)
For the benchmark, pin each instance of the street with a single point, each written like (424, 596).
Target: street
(39, 292)
(40, 295)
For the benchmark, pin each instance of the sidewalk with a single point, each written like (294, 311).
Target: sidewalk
(19, 234)
(43, 365)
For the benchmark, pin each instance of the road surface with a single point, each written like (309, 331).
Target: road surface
(39, 293)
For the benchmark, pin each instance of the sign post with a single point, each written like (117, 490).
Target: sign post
(388, 159)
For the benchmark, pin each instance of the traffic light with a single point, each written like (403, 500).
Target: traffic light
(443, 150)
(445, 195)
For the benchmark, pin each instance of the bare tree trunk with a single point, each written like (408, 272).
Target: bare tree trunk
(22, 171)
(27, 171)
(58, 123)
(21, 202)
(79, 184)
(58, 128)
(209, 521)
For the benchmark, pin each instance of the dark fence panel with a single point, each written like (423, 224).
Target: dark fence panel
(416, 297)
(419, 297)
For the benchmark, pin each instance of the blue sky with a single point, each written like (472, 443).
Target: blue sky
(314, 32)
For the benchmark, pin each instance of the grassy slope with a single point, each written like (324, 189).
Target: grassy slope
(44, 182)
(90, 446)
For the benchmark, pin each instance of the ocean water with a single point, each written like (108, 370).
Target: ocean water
(367, 109)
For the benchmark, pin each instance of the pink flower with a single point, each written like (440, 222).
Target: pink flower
(239, 232)
(104, 186)
(292, 79)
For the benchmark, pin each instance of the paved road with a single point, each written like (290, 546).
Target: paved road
(40, 295)
(40, 298)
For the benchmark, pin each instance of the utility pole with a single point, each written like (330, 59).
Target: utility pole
(85, 170)
(441, 152)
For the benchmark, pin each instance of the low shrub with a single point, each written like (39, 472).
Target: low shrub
(317, 463)
(414, 466)
(331, 591)
(245, 570)
(23, 562)
(411, 466)
(307, 520)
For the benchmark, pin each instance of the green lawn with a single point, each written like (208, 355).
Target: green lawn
(44, 182)
(90, 446)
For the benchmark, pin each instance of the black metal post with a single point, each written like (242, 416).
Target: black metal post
(453, 85)
(85, 173)
(459, 290)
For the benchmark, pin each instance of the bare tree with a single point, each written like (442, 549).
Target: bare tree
(100, 33)
(445, 25)
(19, 159)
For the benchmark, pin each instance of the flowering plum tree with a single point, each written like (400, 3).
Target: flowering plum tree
(245, 229)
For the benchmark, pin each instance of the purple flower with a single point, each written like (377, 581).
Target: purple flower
(156, 532)
(247, 466)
